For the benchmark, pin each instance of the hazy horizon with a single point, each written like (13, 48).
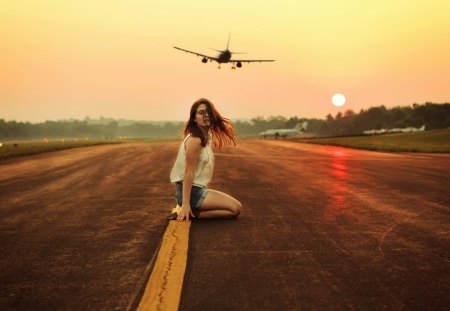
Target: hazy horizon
(105, 117)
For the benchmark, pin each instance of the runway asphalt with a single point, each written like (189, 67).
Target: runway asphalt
(323, 228)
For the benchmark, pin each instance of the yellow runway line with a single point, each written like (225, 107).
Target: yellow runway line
(164, 287)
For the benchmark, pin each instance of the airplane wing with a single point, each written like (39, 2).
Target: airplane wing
(250, 60)
(195, 53)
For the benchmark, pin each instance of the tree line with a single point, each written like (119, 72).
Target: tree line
(74, 128)
(432, 115)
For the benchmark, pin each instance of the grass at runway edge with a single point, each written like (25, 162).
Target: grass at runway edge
(17, 149)
(435, 141)
(22, 148)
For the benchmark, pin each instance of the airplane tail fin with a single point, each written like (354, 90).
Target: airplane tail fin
(301, 126)
(228, 43)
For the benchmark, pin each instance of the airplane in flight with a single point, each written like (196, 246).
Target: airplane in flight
(299, 129)
(225, 57)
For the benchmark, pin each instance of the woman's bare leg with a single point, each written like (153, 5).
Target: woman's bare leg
(219, 205)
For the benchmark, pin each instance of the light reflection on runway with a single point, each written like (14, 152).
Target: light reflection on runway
(338, 205)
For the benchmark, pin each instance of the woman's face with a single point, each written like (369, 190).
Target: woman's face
(202, 117)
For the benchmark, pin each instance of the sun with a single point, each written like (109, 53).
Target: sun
(338, 100)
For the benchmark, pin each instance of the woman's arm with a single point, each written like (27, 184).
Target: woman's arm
(193, 149)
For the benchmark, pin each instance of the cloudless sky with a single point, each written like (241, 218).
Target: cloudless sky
(71, 59)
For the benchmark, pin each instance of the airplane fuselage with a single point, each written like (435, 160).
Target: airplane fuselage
(224, 57)
(299, 129)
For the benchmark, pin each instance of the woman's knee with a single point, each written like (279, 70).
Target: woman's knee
(219, 200)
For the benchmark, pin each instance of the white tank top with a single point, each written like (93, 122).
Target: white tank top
(203, 171)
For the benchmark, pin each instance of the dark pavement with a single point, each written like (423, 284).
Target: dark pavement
(79, 227)
(324, 228)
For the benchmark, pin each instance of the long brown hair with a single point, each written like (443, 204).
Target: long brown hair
(222, 130)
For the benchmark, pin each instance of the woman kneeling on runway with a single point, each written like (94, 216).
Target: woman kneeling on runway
(194, 166)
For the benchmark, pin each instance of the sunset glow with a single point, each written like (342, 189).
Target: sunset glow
(72, 59)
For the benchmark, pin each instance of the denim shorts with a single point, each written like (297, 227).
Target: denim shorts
(198, 194)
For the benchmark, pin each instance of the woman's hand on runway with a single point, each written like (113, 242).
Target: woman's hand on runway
(185, 213)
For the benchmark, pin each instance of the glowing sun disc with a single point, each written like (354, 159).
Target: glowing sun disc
(338, 100)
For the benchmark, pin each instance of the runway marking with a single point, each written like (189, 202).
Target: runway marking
(163, 290)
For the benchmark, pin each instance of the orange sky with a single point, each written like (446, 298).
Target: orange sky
(72, 59)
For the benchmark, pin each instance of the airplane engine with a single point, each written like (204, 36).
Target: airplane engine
(239, 65)
(204, 60)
